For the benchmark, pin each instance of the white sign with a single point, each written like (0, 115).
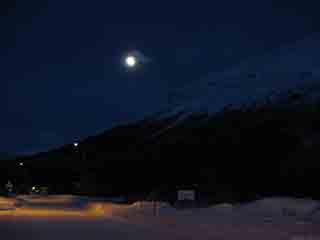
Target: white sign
(189, 195)
(9, 186)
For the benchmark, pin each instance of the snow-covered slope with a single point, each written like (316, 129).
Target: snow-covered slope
(253, 80)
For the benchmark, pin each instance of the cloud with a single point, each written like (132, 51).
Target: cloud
(142, 58)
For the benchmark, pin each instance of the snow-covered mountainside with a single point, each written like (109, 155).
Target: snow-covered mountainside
(253, 80)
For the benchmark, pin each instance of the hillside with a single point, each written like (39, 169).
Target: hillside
(239, 153)
(6, 156)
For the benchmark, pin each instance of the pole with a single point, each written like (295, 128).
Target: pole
(154, 208)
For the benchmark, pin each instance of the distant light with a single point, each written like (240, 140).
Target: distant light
(131, 61)
(75, 144)
(21, 164)
(33, 188)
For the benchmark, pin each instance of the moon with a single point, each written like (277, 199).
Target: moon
(131, 61)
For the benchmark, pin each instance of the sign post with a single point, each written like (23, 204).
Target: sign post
(9, 187)
(186, 195)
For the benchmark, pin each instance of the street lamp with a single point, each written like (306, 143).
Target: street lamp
(79, 150)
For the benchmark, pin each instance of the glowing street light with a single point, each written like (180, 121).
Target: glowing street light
(21, 164)
(75, 144)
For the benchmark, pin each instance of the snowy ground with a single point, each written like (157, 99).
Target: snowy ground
(70, 217)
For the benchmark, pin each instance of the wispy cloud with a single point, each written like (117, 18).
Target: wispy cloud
(142, 58)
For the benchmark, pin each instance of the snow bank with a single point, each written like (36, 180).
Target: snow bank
(280, 207)
(271, 208)
(51, 202)
(7, 203)
(98, 219)
(144, 208)
(223, 207)
(50, 199)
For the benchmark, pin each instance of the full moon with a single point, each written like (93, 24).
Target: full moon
(131, 61)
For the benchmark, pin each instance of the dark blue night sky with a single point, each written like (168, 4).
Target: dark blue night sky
(61, 72)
